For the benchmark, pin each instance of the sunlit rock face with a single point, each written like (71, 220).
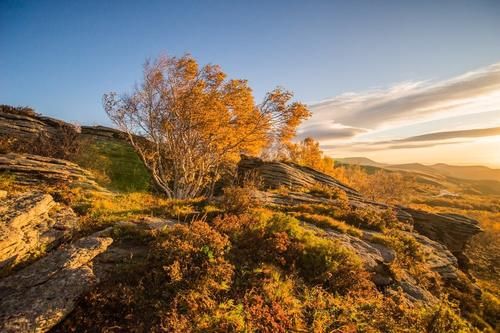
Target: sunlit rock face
(24, 124)
(37, 297)
(30, 224)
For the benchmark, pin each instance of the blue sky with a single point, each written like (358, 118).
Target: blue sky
(61, 56)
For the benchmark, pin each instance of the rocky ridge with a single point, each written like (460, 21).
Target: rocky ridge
(453, 231)
(443, 237)
(25, 124)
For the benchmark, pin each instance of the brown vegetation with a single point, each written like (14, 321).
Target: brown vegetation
(259, 272)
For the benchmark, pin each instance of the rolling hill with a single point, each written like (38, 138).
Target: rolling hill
(440, 169)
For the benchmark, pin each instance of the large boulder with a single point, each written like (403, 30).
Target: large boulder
(31, 224)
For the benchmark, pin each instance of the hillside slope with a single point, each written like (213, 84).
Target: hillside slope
(292, 250)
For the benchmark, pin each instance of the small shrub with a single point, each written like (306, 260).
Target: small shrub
(319, 260)
(328, 192)
(407, 248)
(238, 200)
(272, 306)
(371, 218)
(491, 309)
(444, 318)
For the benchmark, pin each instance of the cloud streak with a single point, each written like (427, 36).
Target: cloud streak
(350, 115)
(421, 141)
(446, 135)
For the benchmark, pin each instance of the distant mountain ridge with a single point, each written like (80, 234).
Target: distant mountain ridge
(475, 172)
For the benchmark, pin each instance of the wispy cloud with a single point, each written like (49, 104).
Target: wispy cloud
(446, 135)
(329, 130)
(367, 147)
(351, 115)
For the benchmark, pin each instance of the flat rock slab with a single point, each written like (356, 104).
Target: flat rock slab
(34, 169)
(37, 297)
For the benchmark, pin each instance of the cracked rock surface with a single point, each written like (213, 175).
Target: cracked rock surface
(37, 297)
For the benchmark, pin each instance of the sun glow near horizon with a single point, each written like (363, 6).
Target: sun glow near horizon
(483, 151)
(453, 121)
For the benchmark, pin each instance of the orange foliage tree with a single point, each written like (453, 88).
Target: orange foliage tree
(308, 153)
(188, 123)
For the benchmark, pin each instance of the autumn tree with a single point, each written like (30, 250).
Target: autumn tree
(382, 185)
(389, 187)
(284, 117)
(188, 123)
(307, 152)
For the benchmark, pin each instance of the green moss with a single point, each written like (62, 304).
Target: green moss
(116, 166)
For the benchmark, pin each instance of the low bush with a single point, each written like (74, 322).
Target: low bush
(491, 310)
(407, 248)
(371, 218)
(239, 199)
(272, 305)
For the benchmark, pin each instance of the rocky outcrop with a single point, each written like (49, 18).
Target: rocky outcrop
(24, 124)
(377, 258)
(34, 169)
(275, 174)
(103, 133)
(452, 231)
(37, 297)
(43, 290)
(30, 224)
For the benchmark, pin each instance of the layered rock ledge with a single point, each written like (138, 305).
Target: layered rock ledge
(26, 125)
(30, 224)
(33, 169)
